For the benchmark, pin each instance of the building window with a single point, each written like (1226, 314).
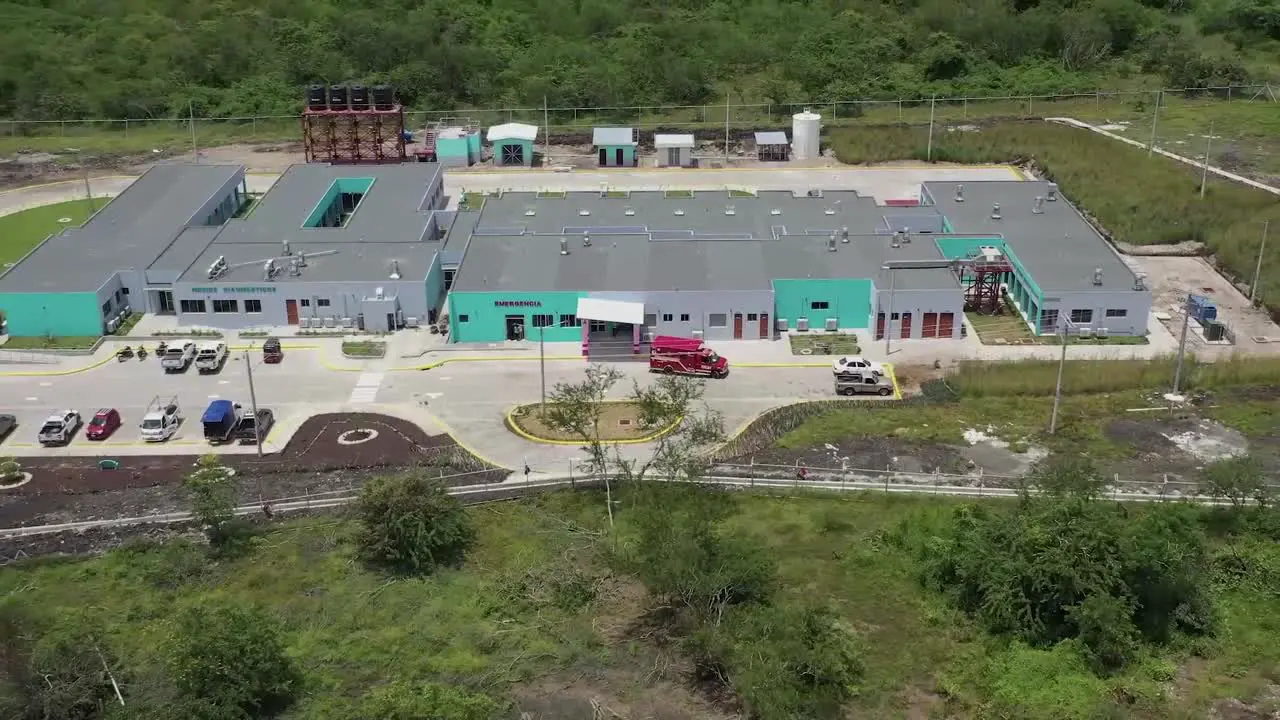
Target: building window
(192, 306)
(568, 320)
(125, 291)
(225, 306)
(717, 320)
(253, 306)
(322, 302)
(1081, 317)
(1117, 313)
(304, 302)
(819, 305)
(1048, 320)
(650, 320)
(598, 326)
(752, 317)
(684, 317)
(893, 316)
(667, 317)
(464, 318)
(106, 308)
(541, 321)
(118, 296)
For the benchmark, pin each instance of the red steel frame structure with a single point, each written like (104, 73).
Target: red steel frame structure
(981, 278)
(354, 136)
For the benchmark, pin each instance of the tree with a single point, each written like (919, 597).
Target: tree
(51, 673)
(10, 471)
(411, 524)
(228, 660)
(211, 489)
(1106, 631)
(1236, 480)
(1071, 476)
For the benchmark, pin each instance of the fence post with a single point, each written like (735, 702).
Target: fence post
(966, 109)
(899, 109)
(1028, 106)
(935, 481)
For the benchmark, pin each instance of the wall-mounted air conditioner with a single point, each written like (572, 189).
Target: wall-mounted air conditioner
(781, 325)
(1084, 332)
(348, 322)
(330, 322)
(802, 324)
(1102, 333)
(832, 324)
(697, 333)
(411, 322)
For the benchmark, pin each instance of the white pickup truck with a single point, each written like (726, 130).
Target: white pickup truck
(60, 428)
(177, 358)
(211, 357)
(161, 420)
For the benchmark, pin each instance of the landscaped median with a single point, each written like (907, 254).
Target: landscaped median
(620, 423)
(364, 348)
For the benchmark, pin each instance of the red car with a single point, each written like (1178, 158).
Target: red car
(104, 422)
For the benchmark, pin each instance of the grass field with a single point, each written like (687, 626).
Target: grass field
(364, 348)
(1011, 329)
(1038, 377)
(618, 421)
(824, 344)
(70, 342)
(536, 615)
(22, 231)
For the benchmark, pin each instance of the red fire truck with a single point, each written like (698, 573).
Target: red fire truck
(687, 356)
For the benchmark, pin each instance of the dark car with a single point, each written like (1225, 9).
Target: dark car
(272, 353)
(250, 431)
(7, 424)
(103, 423)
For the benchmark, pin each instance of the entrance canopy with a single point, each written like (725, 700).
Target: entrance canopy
(618, 311)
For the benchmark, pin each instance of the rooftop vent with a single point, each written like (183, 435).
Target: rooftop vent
(395, 270)
(995, 211)
(295, 267)
(218, 267)
(960, 193)
(775, 211)
(678, 212)
(284, 247)
(895, 240)
(629, 212)
(1053, 192)
(831, 244)
(906, 235)
(530, 211)
(586, 240)
(844, 234)
(1140, 281)
(584, 212)
(1038, 207)
(829, 211)
(1097, 276)
(728, 210)
(564, 246)
(301, 258)
(269, 269)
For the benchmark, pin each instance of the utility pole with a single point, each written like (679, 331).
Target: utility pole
(253, 407)
(1204, 172)
(191, 120)
(546, 130)
(1257, 270)
(1182, 346)
(1057, 390)
(542, 365)
(88, 192)
(1155, 121)
(929, 153)
(888, 316)
(726, 126)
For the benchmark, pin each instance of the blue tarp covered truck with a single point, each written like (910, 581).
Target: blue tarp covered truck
(220, 420)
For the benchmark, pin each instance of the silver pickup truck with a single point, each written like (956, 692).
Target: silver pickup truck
(863, 384)
(177, 358)
(60, 428)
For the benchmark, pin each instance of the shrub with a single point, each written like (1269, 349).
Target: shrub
(411, 524)
(409, 701)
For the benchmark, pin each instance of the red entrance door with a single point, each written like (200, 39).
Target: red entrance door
(765, 333)
(905, 333)
(291, 311)
(737, 326)
(880, 326)
(930, 326)
(946, 323)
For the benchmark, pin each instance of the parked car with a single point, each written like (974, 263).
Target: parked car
(60, 428)
(251, 430)
(854, 383)
(161, 420)
(220, 421)
(211, 357)
(272, 353)
(7, 424)
(177, 358)
(103, 423)
(856, 363)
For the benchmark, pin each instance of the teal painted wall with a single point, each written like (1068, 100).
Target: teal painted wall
(341, 185)
(454, 148)
(497, 149)
(959, 247)
(849, 300)
(486, 320)
(611, 160)
(473, 145)
(56, 314)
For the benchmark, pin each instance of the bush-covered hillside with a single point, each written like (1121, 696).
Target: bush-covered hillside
(65, 59)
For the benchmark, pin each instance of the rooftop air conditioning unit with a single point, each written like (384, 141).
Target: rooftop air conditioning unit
(112, 324)
(729, 210)
(411, 322)
(832, 324)
(584, 213)
(1084, 332)
(330, 322)
(802, 324)
(678, 212)
(775, 211)
(1102, 333)
(781, 324)
(629, 212)
(348, 322)
(697, 333)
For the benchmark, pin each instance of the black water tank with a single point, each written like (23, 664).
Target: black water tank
(337, 97)
(317, 99)
(384, 97)
(359, 97)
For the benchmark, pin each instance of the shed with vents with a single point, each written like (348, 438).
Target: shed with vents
(615, 146)
(513, 144)
(674, 150)
(772, 146)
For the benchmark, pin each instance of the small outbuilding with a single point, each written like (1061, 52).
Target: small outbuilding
(615, 146)
(674, 150)
(772, 146)
(457, 146)
(513, 144)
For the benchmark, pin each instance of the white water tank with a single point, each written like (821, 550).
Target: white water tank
(805, 131)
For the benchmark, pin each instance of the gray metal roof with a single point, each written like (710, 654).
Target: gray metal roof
(389, 224)
(130, 232)
(772, 137)
(613, 136)
(673, 141)
(1058, 247)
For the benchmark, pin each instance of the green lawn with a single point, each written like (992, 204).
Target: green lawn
(70, 342)
(24, 230)
(364, 348)
(821, 343)
(537, 611)
(1011, 329)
